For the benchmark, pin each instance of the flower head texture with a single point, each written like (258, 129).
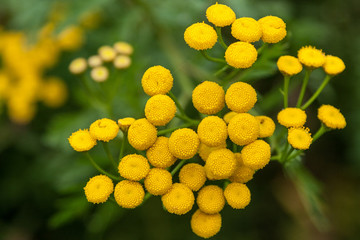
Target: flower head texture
(82, 140)
(200, 36)
(129, 194)
(99, 74)
(331, 117)
(184, 143)
(192, 175)
(159, 154)
(242, 173)
(256, 155)
(142, 134)
(208, 98)
(122, 62)
(179, 199)
(95, 61)
(299, 138)
(107, 53)
(240, 97)
(311, 57)
(292, 117)
(160, 110)
(125, 123)
(289, 65)
(157, 80)
(123, 48)
(228, 116)
(220, 164)
(158, 181)
(104, 129)
(237, 195)
(211, 199)
(205, 225)
(246, 29)
(243, 129)
(205, 150)
(273, 29)
(134, 167)
(333, 65)
(267, 126)
(98, 189)
(241, 55)
(220, 15)
(78, 66)
(212, 131)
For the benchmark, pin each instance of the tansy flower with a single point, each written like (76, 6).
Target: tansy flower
(122, 62)
(211, 199)
(99, 74)
(53, 92)
(123, 48)
(220, 15)
(192, 175)
(208, 98)
(240, 97)
(311, 57)
(82, 141)
(333, 65)
(94, 61)
(256, 154)
(142, 134)
(134, 167)
(125, 123)
(179, 199)
(78, 66)
(184, 143)
(299, 138)
(331, 117)
(273, 29)
(129, 194)
(200, 36)
(212, 131)
(107, 53)
(242, 173)
(98, 189)
(289, 65)
(104, 129)
(243, 129)
(228, 116)
(292, 117)
(246, 29)
(160, 110)
(267, 126)
(159, 154)
(71, 38)
(205, 225)
(220, 164)
(241, 55)
(205, 150)
(158, 181)
(237, 195)
(157, 80)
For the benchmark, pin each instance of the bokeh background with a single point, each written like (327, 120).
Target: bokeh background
(41, 177)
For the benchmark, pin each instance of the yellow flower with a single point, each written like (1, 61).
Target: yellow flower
(200, 36)
(159, 154)
(122, 62)
(273, 29)
(299, 138)
(107, 53)
(205, 225)
(94, 61)
(208, 98)
(267, 126)
(289, 65)
(134, 167)
(333, 65)
(184, 143)
(20, 109)
(104, 129)
(123, 48)
(157, 80)
(125, 123)
(212, 131)
(241, 55)
(179, 199)
(99, 74)
(82, 141)
(98, 189)
(211, 199)
(192, 175)
(243, 129)
(228, 116)
(240, 97)
(78, 66)
(71, 38)
(331, 117)
(237, 195)
(242, 173)
(256, 154)
(246, 29)
(292, 117)
(311, 57)
(129, 194)
(160, 110)
(204, 150)
(220, 15)
(220, 164)
(158, 181)
(142, 134)
(53, 92)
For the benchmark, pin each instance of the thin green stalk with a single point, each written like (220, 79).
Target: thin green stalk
(85, 83)
(122, 147)
(284, 152)
(303, 87)
(286, 90)
(108, 153)
(277, 157)
(235, 147)
(213, 59)
(178, 105)
(165, 131)
(100, 169)
(317, 93)
(187, 119)
(320, 132)
(180, 164)
(221, 40)
(261, 49)
(221, 70)
(147, 196)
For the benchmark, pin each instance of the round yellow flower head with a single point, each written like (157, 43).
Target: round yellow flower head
(267, 126)
(212, 131)
(220, 15)
(142, 134)
(104, 129)
(134, 167)
(157, 80)
(122, 62)
(179, 199)
(211, 199)
(184, 143)
(200, 36)
(53, 92)
(292, 117)
(242, 173)
(205, 150)
(333, 65)
(299, 138)
(331, 117)
(129, 194)
(240, 97)
(98, 189)
(158, 181)
(221, 164)
(95, 61)
(246, 29)
(228, 116)
(256, 154)
(289, 65)
(20, 110)
(273, 29)
(243, 129)
(241, 55)
(82, 141)
(107, 53)
(123, 48)
(125, 123)
(159, 154)
(237, 195)
(160, 110)
(311, 57)
(205, 225)
(78, 66)
(208, 97)
(99, 74)
(71, 38)
(192, 175)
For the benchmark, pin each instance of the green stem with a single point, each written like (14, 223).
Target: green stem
(286, 90)
(178, 105)
(317, 93)
(221, 70)
(277, 157)
(260, 49)
(122, 147)
(100, 169)
(221, 40)
(187, 119)
(303, 87)
(213, 59)
(180, 164)
(284, 152)
(320, 132)
(165, 131)
(235, 147)
(108, 153)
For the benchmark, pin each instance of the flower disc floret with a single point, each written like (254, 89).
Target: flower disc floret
(240, 97)
(134, 167)
(104, 129)
(242, 173)
(98, 189)
(158, 181)
(331, 117)
(212, 131)
(82, 140)
(220, 15)
(122, 62)
(211, 199)
(200, 36)
(256, 155)
(299, 138)
(78, 66)
(205, 150)
(99, 74)
(311, 57)
(243, 129)
(123, 48)
(129, 194)
(289, 65)
(273, 29)
(205, 225)
(142, 134)
(157, 80)
(192, 175)
(159, 154)
(220, 164)
(160, 110)
(333, 65)
(179, 199)
(241, 55)
(237, 195)
(107, 53)
(208, 98)
(267, 126)
(184, 143)
(292, 117)
(246, 29)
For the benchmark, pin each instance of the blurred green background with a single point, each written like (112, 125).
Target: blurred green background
(41, 177)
